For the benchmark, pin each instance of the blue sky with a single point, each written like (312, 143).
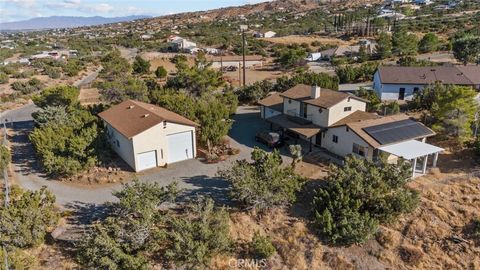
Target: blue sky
(15, 10)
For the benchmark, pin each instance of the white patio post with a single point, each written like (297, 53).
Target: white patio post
(435, 159)
(424, 168)
(414, 166)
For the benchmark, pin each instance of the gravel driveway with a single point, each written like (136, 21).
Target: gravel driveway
(193, 176)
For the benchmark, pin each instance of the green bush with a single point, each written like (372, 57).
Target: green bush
(476, 229)
(199, 234)
(17, 259)
(3, 78)
(250, 188)
(141, 66)
(26, 221)
(53, 72)
(133, 232)
(161, 72)
(262, 246)
(28, 87)
(309, 78)
(5, 157)
(254, 92)
(352, 74)
(359, 196)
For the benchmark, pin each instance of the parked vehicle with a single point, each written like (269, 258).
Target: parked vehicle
(271, 139)
(229, 68)
(312, 57)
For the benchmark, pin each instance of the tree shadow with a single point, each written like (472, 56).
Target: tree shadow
(23, 154)
(215, 187)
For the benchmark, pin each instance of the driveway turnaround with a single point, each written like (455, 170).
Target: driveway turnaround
(192, 176)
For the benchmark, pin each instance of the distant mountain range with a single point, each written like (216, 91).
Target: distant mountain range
(64, 22)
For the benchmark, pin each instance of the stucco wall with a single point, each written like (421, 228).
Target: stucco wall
(293, 105)
(125, 147)
(155, 139)
(319, 115)
(345, 142)
(337, 112)
(391, 91)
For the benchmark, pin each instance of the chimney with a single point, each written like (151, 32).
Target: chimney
(315, 93)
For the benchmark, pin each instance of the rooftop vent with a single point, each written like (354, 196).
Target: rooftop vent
(146, 115)
(131, 107)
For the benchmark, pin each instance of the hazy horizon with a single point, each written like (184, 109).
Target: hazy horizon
(20, 10)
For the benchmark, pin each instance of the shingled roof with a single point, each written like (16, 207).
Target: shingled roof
(131, 117)
(457, 75)
(357, 125)
(327, 99)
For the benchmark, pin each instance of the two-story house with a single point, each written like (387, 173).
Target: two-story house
(305, 111)
(338, 122)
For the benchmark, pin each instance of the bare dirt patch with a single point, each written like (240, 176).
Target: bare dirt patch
(307, 39)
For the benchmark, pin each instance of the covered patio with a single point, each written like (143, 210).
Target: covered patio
(302, 128)
(414, 150)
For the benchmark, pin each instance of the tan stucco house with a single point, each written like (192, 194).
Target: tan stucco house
(338, 123)
(146, 136)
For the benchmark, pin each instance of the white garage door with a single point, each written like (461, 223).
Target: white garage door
(146, 160)
(180, 146)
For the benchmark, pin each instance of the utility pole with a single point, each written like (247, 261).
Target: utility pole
(243, 28)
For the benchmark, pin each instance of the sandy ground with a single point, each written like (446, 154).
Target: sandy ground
(307, 39)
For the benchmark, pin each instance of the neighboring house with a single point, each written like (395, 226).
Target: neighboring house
(236, 61)
(147, 136)
(268, 34)
(401, 83)
(337, 122)
(177, 43)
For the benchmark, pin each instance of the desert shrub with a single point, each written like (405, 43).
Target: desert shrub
(262, 246)
(203, 231)
(5, 157)
(476, 229)
(3, 78)
(309, 78)
(28, 87)
(141, 66)
(254, 92)
(410, 255)
(122, 89)
(250, 188)
(390, 108)
(72, 67)
(53, 72)
(26, 221)
(359, 196)
(66, 145)
(17, 259)
(351, 74)
(161, 72)
(133, 231)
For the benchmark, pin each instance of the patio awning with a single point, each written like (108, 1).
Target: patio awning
(307, 130)
(411, 149)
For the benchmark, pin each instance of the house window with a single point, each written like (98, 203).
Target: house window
(348, 129)
(335, 138)
(117, 143)
(289, 101)
(164, 124)
(415, 90)
(359, 150)
(348, 100)
(347, 109)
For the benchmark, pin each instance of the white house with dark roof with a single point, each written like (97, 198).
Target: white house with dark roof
(147, 136)
(401, 83)
(338, 123)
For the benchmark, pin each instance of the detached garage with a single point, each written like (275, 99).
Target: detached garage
(147, 136)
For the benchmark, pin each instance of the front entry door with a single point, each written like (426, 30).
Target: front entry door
(401, 94)
(318, 139)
